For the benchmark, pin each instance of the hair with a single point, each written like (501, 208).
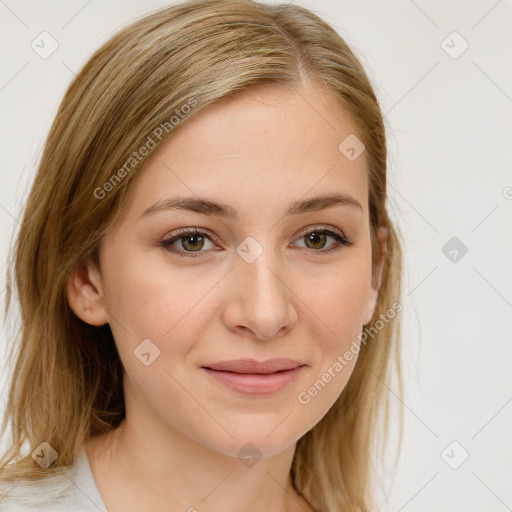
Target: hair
(150, 77)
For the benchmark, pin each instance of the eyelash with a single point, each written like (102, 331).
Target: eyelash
(340, 240)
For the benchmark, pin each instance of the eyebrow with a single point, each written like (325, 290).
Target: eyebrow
(213, 208)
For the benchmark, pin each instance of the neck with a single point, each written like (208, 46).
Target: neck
(137, 471)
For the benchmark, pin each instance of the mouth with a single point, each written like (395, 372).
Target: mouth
(250, 377)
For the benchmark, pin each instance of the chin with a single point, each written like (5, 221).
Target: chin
(250, 440)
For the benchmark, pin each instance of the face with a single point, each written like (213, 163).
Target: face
(186, 288)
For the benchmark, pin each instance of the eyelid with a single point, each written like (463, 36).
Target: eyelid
(194, 231)
(322, 227)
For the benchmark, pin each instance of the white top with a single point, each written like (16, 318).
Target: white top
(76, 491)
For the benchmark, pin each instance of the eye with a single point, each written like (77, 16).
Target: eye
(316, 238)
(191, 241)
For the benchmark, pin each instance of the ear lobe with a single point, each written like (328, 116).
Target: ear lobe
(85, 293)
(373, 294)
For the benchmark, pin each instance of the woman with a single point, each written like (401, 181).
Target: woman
(208, 277)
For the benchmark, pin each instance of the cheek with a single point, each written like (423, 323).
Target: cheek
(149, 300)
(336, 306)
(338, 298)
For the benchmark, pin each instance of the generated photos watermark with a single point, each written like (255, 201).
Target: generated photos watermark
(304, 397)
(151, 142)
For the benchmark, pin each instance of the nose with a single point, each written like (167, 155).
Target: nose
(261, 302)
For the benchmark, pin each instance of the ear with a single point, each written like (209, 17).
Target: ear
(373, 293)
(84, 290)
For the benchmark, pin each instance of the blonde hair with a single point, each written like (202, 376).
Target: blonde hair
(156, 73)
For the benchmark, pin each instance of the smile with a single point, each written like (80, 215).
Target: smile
(254, 383)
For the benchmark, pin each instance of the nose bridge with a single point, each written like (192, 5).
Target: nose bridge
(257, 266)
(263, 300)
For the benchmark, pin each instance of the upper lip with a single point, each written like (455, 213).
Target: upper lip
(253, 366)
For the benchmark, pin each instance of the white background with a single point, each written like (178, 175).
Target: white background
(449, 124)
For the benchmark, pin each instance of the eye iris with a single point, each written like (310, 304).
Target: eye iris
(313, 237)
(189, 239)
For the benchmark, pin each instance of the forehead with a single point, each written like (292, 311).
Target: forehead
(265, 144)
(282, 120)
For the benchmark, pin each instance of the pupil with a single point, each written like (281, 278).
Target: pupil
(191, 239)
(314, 238)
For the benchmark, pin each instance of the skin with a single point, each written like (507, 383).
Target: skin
(257, 151)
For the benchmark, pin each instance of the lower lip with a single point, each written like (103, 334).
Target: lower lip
(255, 383)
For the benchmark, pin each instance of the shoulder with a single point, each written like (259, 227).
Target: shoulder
(71, 488)
(53, 493)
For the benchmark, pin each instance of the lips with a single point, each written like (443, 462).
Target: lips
(253, 366)
(250, 377)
